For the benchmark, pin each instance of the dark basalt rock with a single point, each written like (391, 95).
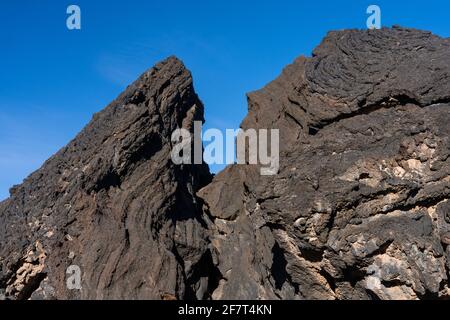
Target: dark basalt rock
(359, 209)
(113, 203)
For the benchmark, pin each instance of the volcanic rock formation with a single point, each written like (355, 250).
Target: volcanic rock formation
(358, 210)
(113, 203)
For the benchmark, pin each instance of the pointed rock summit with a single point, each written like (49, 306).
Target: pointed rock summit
(113, 204)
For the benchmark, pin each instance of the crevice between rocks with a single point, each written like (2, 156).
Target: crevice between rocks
(31, 286)
(279, 271)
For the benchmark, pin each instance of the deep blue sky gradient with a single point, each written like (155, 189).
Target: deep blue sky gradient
(52, 80)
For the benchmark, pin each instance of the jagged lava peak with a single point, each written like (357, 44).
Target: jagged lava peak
(113, 203)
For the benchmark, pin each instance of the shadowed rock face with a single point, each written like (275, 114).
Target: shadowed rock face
(359, 209)
(113, 203)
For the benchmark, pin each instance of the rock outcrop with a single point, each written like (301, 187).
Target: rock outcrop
(113, 204)
(358, 210)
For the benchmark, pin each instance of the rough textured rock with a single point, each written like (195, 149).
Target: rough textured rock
(113, 203)
(359, 209)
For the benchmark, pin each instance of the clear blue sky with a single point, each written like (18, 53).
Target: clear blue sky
(52, 80)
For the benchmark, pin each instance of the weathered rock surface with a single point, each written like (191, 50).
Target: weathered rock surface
(113, 203)
(358, 210)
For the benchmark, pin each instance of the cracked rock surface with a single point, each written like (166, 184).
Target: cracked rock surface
(358, 210)
(113, 203)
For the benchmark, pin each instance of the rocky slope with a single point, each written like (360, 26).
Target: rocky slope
(358, 210)
(113, 203)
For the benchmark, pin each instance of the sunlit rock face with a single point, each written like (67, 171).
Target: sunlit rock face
(360, 207)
